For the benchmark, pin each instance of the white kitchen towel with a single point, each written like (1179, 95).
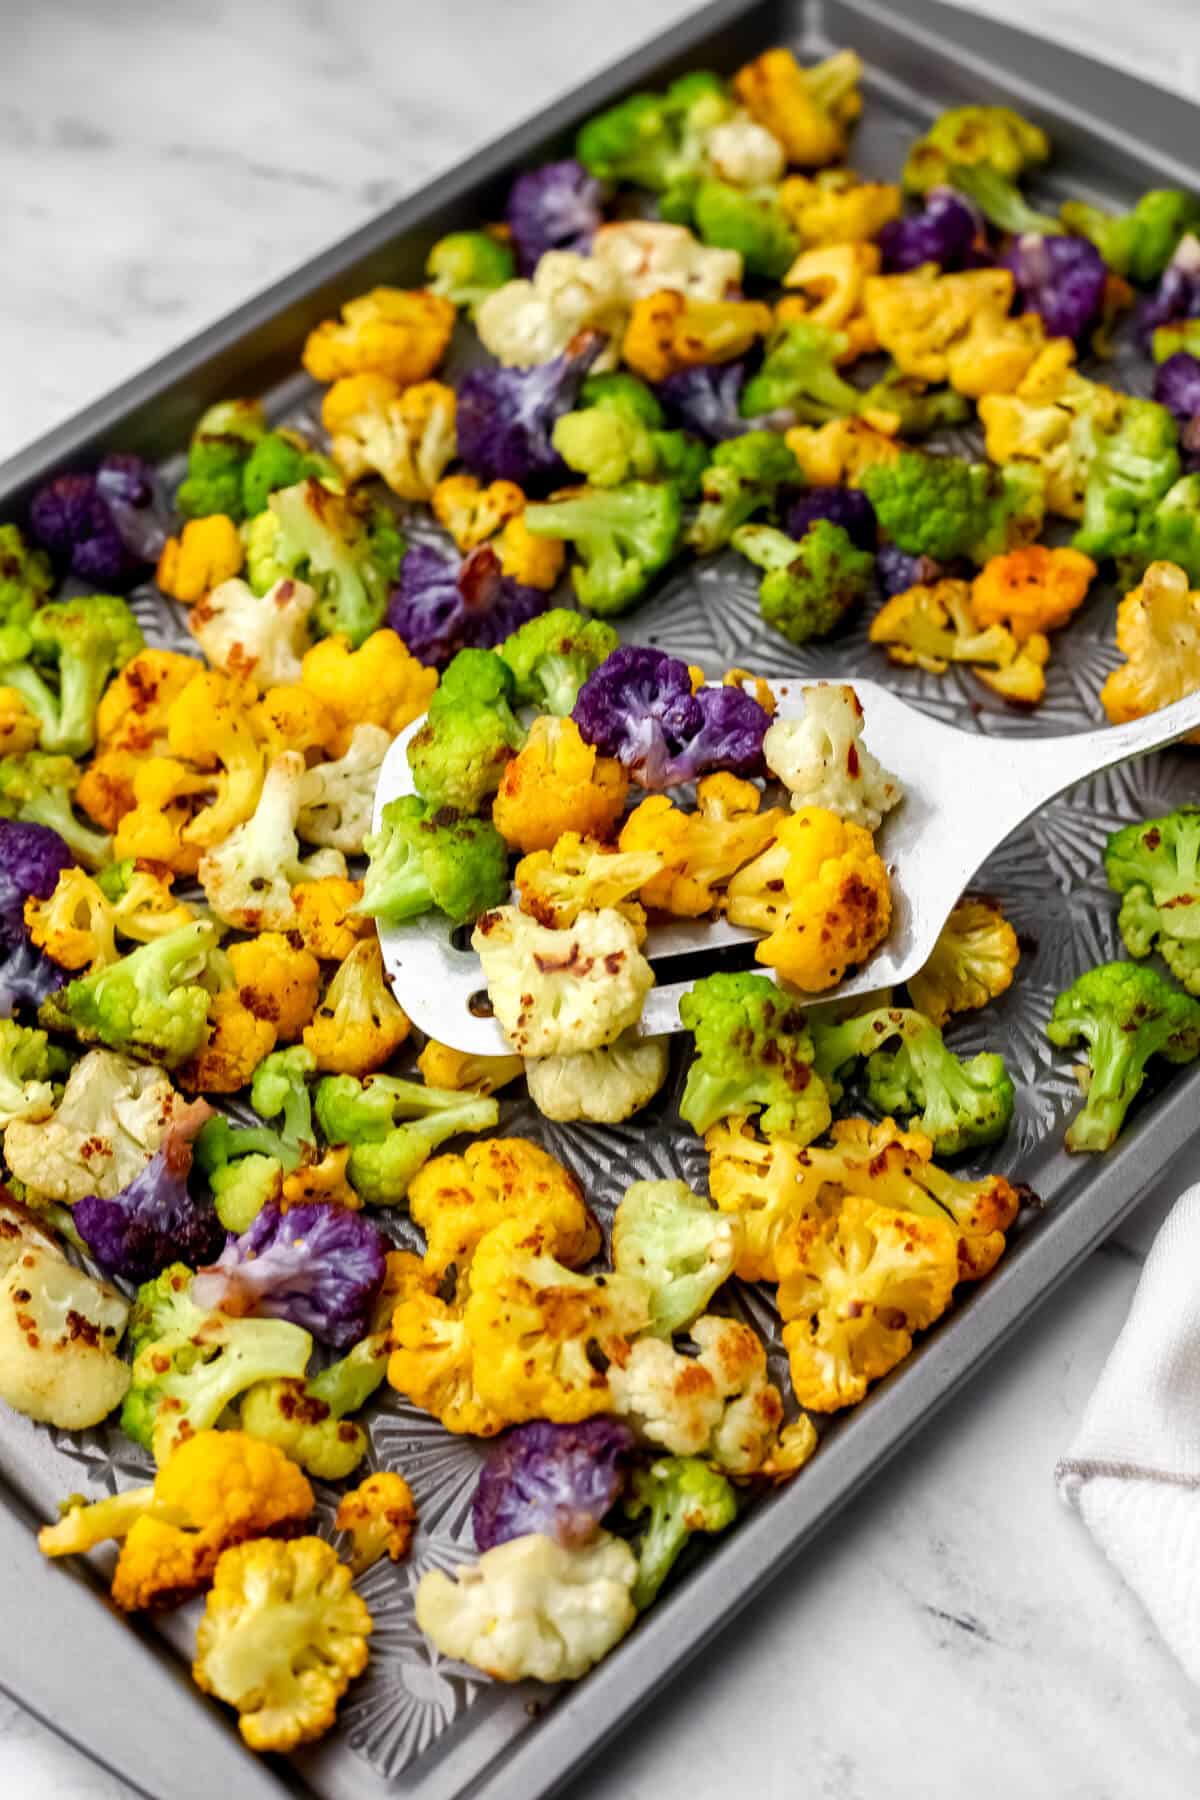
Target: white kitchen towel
(1133, 1472)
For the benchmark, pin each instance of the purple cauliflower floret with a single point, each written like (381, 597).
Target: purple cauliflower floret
(32, 857)
(442, 605)
(319, 1266)
(843, 506)
(506, 416)
(107, 528)
(896, 571)
(639, 707)
(1178, 293)
(1177, 387)
(1060, 278)
(555, 1480)
(948, 231)
(155, 1220)
(556, 207)
(27, 976)
(705, 400)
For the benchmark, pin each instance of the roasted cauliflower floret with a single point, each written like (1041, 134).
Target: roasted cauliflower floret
(404, 434)
(263, 636)
(248, 877)
(457, 1199)
(326, 919)
(358, 1024)
(702, 849)
(957, 328)
(379, 1517)
(1158, 631)
(580, 875)
(59, 1331)
(380, 683)
(432, 1360)
(822, 761)
(718, 1404)
(606, 1086)
(971, 963)
(557, 784)
(206, 553)
(276, 981)
(673, 1240)
(393, 332)
(559, 992)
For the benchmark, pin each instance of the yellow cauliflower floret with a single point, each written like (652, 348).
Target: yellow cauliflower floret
(933, 624)
(380, 683)
(292, 718)
(277, 981)
(406, 435)
(1032, 589)
(838, 207)
(208, 725)
(167, 797)
(768, 1183)
(701, 849)
(321, 1181)
(432, 1361)
(955, 328)
(444, 1067)
(718, 1403)
(206, 553)
(19, 730)
(397, 332)
(808, 110)
(105, 789)
(472, 513)
(533, 561)
(667, 332)
(358, 1024)
(237, 1043)
(215, 1489)
(78, 925)
(132, 714)
(325, 916)
(971, 963)
(853, 1290)
(557, 783)
(282, 1637)
(580, 875)
(835, 454)
(1023, 680)
(542, 1336)
(831, 289)
(379, 1516)
(1158, 631)
(456, 1199)
(1053, 419)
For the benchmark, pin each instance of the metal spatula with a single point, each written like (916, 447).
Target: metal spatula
(964, 794)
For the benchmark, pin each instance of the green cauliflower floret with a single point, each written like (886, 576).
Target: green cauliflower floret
(799, 376)
(749, 220)
(682, 1495)
(280, 460)
(1001, 201)
(1155, 867)
(29, 1067)
(394, 1127)
(259, 536)
(1125, 1014)
(617, 434)
(149, 1003)
(1133, 469)
(26, 579)
(217, 455)
(679, 1245)
(85, 641)
(469, 734)
(1171, 533)
(424, 858)
(991, 137)
(244, 1167)
(946, 507)
(810, 586)
(958, 1104)
(279, 1090)
(348, 550)
(190, 1364)
(623, 536)
(1140, 243)
(552, 656)
(1183, 335)
(919, 408)
(466, 266)
(743, 477)
(657, 141)
(309, 1420)
(753, 1050)
(37, 787)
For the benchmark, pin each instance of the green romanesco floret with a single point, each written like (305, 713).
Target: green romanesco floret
(946, 507)
(618, 434)
(29, 1067)
(919, 408)
(190, 1364)
(657, 141)
(552, 656)
(1142, 242)
(1171, 534)
(678, 1244)
(466, 266)
(348, 549)
(622, 536)
(1000, 200)
(957, 1104)
(1183, 335)
(279, 1090)
(217, 455)
(38, 787)
(992, 137)
(149, 1003)
(259, 536)
(244, 1167)
(810, 586)
(682, 1496)
(1155, 867)
(799, 375)
(424, 858)
(1125, 1014)
(753, 1050)
(749, 220)
(310, 1420)
(393, 1127)
(1133, 470)
(26, 579)
(743, 477)
(280, 460)
(469, 734)
(75, 646)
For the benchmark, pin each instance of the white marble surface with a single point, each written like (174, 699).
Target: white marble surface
(956, 1631)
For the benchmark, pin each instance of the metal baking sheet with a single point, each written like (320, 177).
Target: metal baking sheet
(417, 1725)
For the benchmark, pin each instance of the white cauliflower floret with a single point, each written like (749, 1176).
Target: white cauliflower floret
(530, 1610)
(261, 635)
(679, 1245)
(744, 153)
(528, 322)
(821, 759)
(646, 256)
(248, 879)
(59, 1331)
(719, 1404)
(114, 1114)
(21, 1231)
(605, 1086)
(338, 796)
(555, 993)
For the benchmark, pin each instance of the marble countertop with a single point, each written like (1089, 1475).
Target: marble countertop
(955, 1629)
